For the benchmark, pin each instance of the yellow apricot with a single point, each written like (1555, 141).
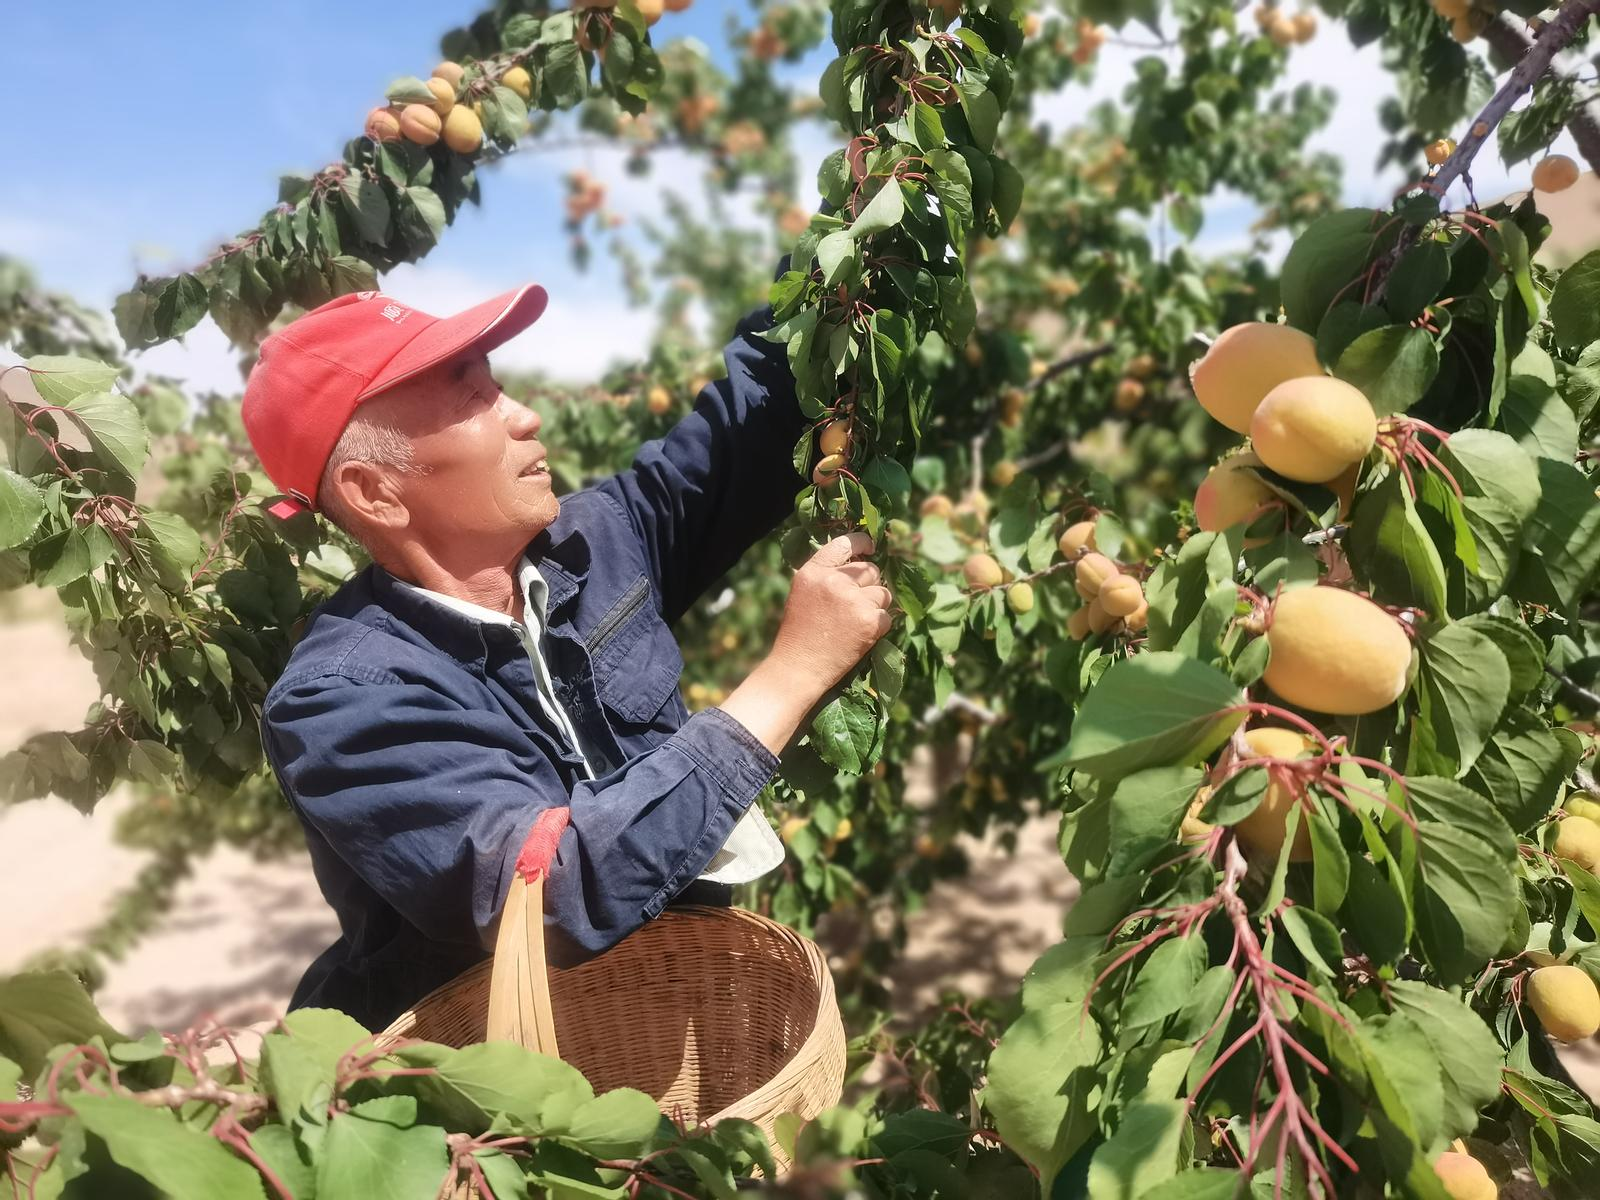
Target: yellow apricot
(444, 95)
(650, 10)
(1078, 624)
(1230, 493)
(463, 132)
(1192, 828)
(1336, 652)
(420, 124)
(1578, 839)
(450, 72)
(1464, 1177)
(383, 125)
(1263, 830)
(1094, 569)
(1130, 392)
(1003, 473)
(835, 437)
(982, 571)
(1142, 366)
(1019, 596)
(827, 469)
(1311, 429)
(1451, 9)
(659, 402)
(1077, 538)
(1245, 363)
(937, 506)
(1581, 806)
(1100, 621)
(1120, 595)
(1437, 152)
(1282, 31)
(1305, 26)
(1138, 618)
(1566, 1002)
(1554, 173)
(519, 81)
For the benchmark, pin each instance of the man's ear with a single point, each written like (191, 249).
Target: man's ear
(371, 494)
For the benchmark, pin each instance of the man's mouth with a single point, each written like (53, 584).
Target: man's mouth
(539, 466)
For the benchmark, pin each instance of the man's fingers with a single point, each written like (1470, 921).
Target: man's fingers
(864, 573)
(881, 595)
(842, 549)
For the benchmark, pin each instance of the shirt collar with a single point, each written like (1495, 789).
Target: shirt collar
(535, 597)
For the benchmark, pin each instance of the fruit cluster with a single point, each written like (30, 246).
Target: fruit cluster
(445, 114)
(1286, 29)
(1114, 602)
(585, 196)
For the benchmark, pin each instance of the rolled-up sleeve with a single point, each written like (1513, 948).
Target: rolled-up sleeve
(429, 802)
(723, 477)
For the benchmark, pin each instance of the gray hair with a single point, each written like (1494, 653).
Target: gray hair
(366, 439)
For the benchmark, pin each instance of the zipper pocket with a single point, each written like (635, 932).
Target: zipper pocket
(632, 601)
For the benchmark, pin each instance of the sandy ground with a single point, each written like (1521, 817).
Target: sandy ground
(241, 932)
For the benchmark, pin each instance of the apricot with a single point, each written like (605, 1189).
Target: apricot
(1003, 473)
(937, 506)
(1100, 621)
(659, 402)
(1193, 828)
(1141, 366)
(1244, 364)
(519, 81)
(1077, 538)
(1282, 31)
(1230, 493)
(835, 437)
(450, 72)
(444, 96)
(1336, 652)
(1566, 1002)
(463, 132)
(827, 469)
(650, 10)
(1128, 396)
(982, 571)
(1094, 570)
(1554, 173)
(1138, 618)
(1451, 9)
(1580, 806)
(420, 124)
(1464, 1177)
(1312, 429)
(383, 125)
(1263, 830)
(1437, 152)
(1578, 839)
(677, 5)
(1078, 624)
(1120, 595)
(1305, 26)
(1019, 597)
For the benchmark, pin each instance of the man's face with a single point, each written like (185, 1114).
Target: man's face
(481, 471)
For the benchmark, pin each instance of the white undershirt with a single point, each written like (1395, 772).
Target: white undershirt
(752, 849)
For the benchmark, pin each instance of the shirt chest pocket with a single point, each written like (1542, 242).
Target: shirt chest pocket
(635, 657)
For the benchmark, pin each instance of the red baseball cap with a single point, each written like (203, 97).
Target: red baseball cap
(312, 374)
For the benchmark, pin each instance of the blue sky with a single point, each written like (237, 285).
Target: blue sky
(156, 130)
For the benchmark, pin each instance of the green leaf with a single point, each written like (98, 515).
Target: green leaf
(1146, 810)
(1200, 1183)
(62, 378)
(1575, 304)
(1464, 906)
(1565, 532)
(1040, 1079)
(181, 306)
(1417, 279)
(884, 211)
(368, 206)
(1525, 767)
(845, 731)
(618, 1124)
(178, 1160)
(1142, 1153)
(1391, 551)
(42, 1009)
(175, 545)
(473, 1084)
(1533, 411)
(1394, 366)
(364, 1154)
(21, 508)
(115, 429)
(1008, 189)
(1324, 259)
(1157, 709)
(1375, 912)
(1521, 646)
(1166, 981)
(408, 89)
(1465, 686)
(1491, 464)
(298, 1065)
(1469, 1054)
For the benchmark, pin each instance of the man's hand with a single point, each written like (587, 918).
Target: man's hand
(838, 608)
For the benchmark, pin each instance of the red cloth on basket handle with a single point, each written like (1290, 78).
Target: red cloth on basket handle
(539, 851)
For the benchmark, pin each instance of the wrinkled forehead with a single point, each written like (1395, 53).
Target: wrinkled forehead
(439, 397)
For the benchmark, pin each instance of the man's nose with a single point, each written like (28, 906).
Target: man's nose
(521, 421)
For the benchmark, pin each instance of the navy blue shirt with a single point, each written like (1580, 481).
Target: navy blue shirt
(411, 742)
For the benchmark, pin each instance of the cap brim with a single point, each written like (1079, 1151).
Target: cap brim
(482, 327)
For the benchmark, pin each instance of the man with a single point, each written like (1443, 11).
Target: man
(508, 652)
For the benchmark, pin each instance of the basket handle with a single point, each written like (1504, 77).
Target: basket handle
(519, 980)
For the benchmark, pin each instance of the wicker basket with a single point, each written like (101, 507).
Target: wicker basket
(713, 1012)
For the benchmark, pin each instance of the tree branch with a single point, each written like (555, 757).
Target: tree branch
(1509, 38)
